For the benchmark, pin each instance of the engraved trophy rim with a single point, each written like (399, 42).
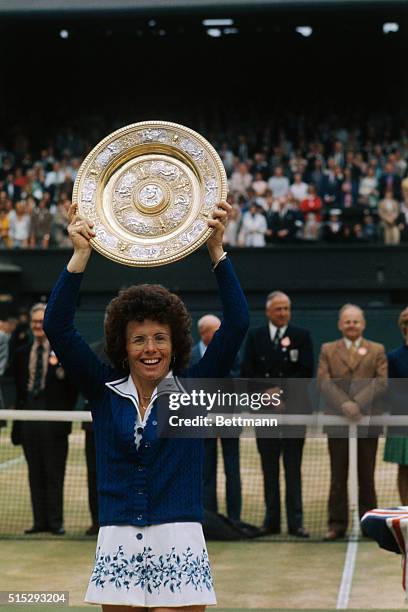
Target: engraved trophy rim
(153, 141)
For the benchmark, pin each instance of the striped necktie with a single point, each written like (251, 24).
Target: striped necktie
(38, 373)
(276, 339)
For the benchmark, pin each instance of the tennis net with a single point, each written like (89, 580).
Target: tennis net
(15, 502)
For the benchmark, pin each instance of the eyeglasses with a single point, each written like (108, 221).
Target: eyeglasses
(159, 340)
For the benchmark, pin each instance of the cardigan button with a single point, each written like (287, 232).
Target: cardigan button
(139, 536)
(139, 430)
(147, 445)
(140, 468)
(140, 491)
(139, 558)
(139, 517)
(154, 422)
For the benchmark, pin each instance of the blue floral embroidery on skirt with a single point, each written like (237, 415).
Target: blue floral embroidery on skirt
(147, 571)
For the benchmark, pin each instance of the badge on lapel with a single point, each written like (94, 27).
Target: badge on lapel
(285, 342)
(294, 355)
(362, 351)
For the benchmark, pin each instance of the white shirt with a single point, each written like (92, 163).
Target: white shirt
(273, 329)
(202, 348)
(253, 229)
(279, 185)
(299, 191)
(350, 343)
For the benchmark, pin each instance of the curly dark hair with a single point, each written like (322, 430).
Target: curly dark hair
(141, 302)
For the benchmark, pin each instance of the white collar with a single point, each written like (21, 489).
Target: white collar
(273, 329)
(126, 388)
(350, 343)
(202, 348)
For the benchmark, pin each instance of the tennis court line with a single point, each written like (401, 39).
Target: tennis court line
(10, 462)
(347, 577)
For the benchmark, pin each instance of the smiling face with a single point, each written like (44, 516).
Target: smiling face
(278, 310)
(149, 350)
(352, 323)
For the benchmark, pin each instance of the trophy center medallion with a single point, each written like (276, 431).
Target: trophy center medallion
(151, 197)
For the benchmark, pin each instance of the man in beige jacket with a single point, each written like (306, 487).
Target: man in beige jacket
(352, 376)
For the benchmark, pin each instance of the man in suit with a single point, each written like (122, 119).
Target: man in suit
(207, 326)
(284, 224)
(41, 384)
(280, 350)
(352, 376)
(390, 181)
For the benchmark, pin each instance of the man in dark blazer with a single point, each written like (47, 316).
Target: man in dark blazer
(41, 384)
(278, 351)
(207, 326)
(390, 181)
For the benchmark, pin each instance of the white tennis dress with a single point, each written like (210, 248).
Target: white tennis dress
(156, 565)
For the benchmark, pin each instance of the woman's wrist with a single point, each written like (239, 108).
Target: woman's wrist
(219, 260)
(79, 260)
(216, 253)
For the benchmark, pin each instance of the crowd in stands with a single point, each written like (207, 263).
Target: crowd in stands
(289, 182)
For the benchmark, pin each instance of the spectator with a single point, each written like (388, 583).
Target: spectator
(12, 190)
(226, 155)
(329, 183)
(338, 154)
(260, 165)
(311, 228)
(333, 227)
(207, 327)
(54, 179)
(389, 212)
(5, 240)
(299, 188)
(41, 384)
(390, 181)
(20, 223)
(341, 363)
(59, 230)
(396, 448)
(259, 185)
(400, 164)
(368, 190)
(279, 350)
(241, 180)
(253, 227)
(312, 203)
(317, 176)
(278, 183)
(348, 190)
(284, 224)
(232, 229)
(366, 231)
(41, 223)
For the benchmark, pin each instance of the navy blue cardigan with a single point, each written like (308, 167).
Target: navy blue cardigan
(161, 481)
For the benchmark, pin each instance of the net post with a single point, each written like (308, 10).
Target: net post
(353, 480)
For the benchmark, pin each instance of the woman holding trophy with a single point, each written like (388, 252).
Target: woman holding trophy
(151, 552)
